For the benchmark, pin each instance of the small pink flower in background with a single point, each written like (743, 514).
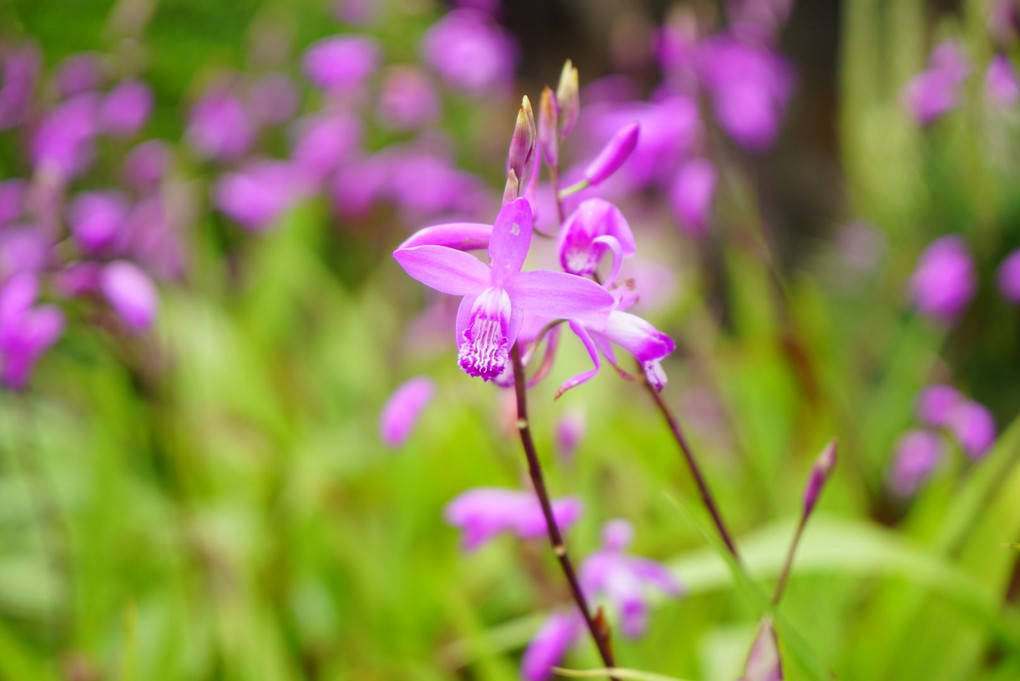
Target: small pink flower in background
(485, 512)
(62, 143)
(402, 410)
(97, 220)
(13, 195)
(470, 52)
(130, 293)
(936, 91)
(570, 428)
(916, 455)
(944, 281)
(258, 194)
(78, 73)
(936, 405)
(27, 330)
(126, 108)
(1008, 277)
(974, 428)
(407, 99)
(219, 127)
(550, 644)
(691, 196)
(323, 142)
(19, 71)
(341, 62)
(273, 99)
(496, 295)
(145, 165)
(1001, 84)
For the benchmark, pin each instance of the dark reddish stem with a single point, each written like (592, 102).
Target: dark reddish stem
(599, 632)
(695, 469)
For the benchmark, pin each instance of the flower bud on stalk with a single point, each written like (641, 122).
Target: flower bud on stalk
(512, 190)
(567, 99)
(820, 473)
(548, 137)
(763, 662)
(613, 155)
(521, 157)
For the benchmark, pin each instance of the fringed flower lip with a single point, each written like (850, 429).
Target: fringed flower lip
(496, 295)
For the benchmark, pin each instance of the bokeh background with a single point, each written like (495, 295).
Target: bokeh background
(193, 484)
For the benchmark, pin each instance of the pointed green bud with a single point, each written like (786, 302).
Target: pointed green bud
(568, 99)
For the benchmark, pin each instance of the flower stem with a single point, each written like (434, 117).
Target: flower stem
(599, 633)
(692, 464)
(554, 178)
(777, 595)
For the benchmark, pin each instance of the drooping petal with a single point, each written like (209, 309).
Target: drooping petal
(550, 645)
(463, 236)
(613, 246)
(444, 269)
(637, 336)
(556, 294)
(593, 352)
(511, 238)
(403, 409)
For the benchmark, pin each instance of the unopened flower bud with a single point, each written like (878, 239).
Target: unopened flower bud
(613, 155)
(763, 662)
(568, 99)
(521, 158)
(512, 190)
(548, 137)
(820, 473)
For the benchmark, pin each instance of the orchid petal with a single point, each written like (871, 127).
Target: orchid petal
(593, 352)
(444, 269)
(462, 236)
(511, 237)
(616, 249)
(556, 294)
(550, 645)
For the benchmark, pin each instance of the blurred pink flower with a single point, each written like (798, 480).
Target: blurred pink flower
(484, 512)
(130, 293)
(341, 62)
(407, 99)
(944, 281)
(1009, 277)
(401, 412)
(916, 456)
(1001, 84)
(219, 127)
(126, 108)
(27, 330)
(470, 51)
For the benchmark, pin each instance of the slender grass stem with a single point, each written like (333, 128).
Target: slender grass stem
(598, 631)
(777, 595)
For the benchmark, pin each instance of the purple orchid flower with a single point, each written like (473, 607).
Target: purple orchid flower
(944, 281)
(407, 99)
(13, 195)
(258, 194)
(145, 165)
(97, 220)
(936, 405)
(593, 229)
(78, 73)
(27, 330)
(63, 141)
(973, 426)
(402, 410)
(323, 142)
(550, 645)
(1001, 84)
(935, 91)
(691, 196)
(497, 295)
(484, 512)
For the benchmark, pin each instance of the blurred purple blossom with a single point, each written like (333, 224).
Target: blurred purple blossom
(78, 73)
(936, 405)
(145, 165)
(341, 62)
(485, 512)
(1001, 84)
(402, 409)
(550, 644)
(324, 141)
(27, 330)
(570, 428)
(97, 220)
(13, 196)
(691, 195)
(126, 108)
(23, 248)
(1008, 277)
(131, 294)
(219, 127)
(944, 282)
(407, 99)
(758, 21)
(974, 428)
(18, 75)
(749, 87)
(256, 195)
(62, 143)
(935, 91)
(916, 456)
(273, 99)
(470, 52)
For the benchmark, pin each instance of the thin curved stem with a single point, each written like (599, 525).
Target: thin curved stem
(692, 464)
(599, 632)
